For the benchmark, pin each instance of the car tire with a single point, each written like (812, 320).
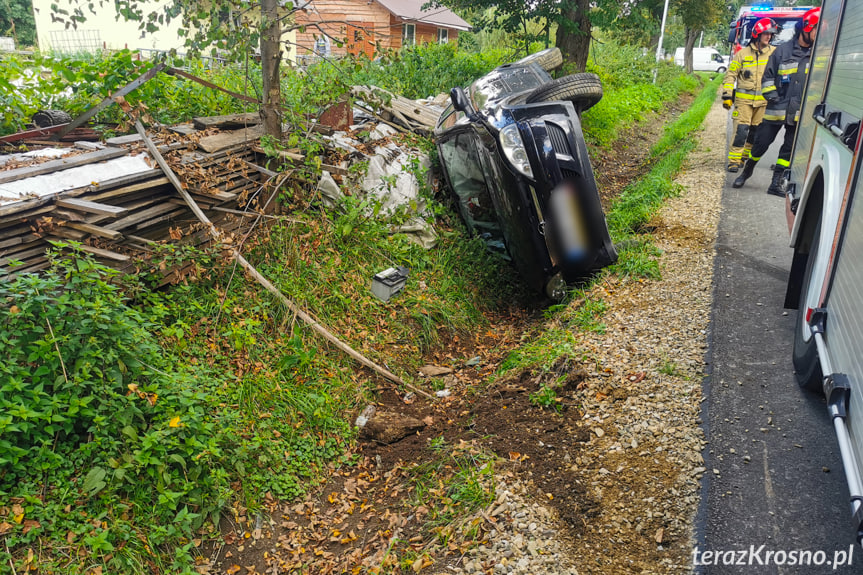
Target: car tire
(548, 59)
(720, 70)
(583, 90)
(804, 355)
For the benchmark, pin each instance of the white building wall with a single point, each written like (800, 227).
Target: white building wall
(101, 30)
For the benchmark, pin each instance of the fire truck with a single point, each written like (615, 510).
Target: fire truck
(824, 201)
(785, 17)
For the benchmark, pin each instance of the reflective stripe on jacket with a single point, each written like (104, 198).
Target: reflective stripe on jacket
(746, 71)
(784, 80)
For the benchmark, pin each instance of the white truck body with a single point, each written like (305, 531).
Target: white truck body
(703, 59)
(825, 210)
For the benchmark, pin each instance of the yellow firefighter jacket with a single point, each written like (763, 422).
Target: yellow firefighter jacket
(746, 69)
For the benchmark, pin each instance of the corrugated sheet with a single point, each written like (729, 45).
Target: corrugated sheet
(815, 91)
(844, 333)
(846, 81)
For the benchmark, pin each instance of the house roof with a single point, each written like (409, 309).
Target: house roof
(411, 10)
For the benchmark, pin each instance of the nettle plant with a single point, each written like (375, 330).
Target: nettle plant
(90, 409)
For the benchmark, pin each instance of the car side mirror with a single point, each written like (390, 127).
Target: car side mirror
(459, 100)
(732, 35)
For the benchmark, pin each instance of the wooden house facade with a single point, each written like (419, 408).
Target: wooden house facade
(336, 28)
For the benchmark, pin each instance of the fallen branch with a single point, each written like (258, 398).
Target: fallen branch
(238, 257)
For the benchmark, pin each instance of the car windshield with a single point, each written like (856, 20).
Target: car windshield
(502, 83)
(786, 30)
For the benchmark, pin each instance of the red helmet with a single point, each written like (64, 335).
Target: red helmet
(764, 25)
(810, 19)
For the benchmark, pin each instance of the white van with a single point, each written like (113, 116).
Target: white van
(703, 59)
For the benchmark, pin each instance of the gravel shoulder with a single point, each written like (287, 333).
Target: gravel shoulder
(638, 459)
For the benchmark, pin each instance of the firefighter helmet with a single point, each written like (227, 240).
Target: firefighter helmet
(765, 25)
(810, 19)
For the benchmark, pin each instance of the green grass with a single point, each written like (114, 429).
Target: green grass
(212, 395)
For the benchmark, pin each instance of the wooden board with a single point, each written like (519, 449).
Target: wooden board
(91, 207)
(127, 190)
(123, 140)
(106, 254)
(61, 164)
(225, 140)
(425, 116)
(142, 216)
(227, 122)
(95, 230)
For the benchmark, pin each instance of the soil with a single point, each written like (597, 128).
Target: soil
(369, 515)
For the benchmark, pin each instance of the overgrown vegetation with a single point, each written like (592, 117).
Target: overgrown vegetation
(132, 420)
(629, 91)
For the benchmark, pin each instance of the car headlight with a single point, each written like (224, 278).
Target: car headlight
(514, 150)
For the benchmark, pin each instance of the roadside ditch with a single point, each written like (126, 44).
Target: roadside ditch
(586, 461)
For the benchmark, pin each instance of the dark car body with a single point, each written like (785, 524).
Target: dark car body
(548, 216)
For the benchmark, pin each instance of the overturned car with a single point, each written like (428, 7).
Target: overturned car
(513, 152)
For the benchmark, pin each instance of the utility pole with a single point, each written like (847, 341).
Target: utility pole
(659, 46)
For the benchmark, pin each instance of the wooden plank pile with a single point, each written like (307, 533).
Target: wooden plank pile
(416, 116)
(122, 219)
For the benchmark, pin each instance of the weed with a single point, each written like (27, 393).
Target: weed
(668, 368)
(546, 396)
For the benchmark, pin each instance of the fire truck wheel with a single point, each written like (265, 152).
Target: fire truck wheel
(807, 367)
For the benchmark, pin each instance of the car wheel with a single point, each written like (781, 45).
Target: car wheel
(807, 367)
(720, 70)
(548, 59)
(583, 90)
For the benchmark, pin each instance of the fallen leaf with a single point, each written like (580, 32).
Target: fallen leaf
(4, 527)
(175, 422)
(233, 569)
(31, 524)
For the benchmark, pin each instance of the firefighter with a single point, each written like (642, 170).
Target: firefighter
(747, 69)
(782, 87)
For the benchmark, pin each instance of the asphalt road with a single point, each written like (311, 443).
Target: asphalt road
(774, 477)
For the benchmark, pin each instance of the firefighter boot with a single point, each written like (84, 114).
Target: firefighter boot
(775, 188)
(748, 168)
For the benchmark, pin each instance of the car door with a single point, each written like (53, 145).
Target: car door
(467, 177)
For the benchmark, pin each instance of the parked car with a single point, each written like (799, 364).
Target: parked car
(703, 59)
(513, 153)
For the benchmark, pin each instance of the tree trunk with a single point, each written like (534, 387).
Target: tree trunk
(691, 36)
(573, 33)
(270, 59)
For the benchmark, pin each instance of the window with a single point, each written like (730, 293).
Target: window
(442, 35)
(408, 35)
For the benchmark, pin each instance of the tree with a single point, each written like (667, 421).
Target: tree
(16, 20)
(636, 22)
(697, 16)
(517, 17)
(223, 25)
(573, 32)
